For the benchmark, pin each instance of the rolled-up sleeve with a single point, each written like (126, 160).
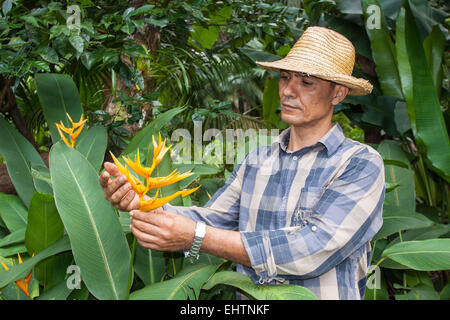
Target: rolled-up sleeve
(346, 217)
(222, 210)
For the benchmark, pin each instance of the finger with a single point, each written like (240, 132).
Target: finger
(141, 235)
(147, 217)
(115, 184)
(130, 201)
(104, 179)
(149, 245)
(120, 193)
(112, 169)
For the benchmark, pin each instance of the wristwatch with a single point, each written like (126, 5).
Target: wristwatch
(200, 231)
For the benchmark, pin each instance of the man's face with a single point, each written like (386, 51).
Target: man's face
(307, 100)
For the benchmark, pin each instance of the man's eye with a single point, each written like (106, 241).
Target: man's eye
(307, 83)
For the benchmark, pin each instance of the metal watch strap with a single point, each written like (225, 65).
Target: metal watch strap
(200, 231)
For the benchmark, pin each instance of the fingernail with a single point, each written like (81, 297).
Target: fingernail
(131, 213)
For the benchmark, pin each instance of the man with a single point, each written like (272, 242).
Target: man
(305, 212)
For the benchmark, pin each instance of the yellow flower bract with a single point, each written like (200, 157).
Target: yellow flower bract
(141, 188)
(73, 132)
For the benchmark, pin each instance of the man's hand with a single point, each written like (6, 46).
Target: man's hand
(162, 230)
(118, 191)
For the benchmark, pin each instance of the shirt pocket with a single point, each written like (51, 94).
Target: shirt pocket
(309, 197)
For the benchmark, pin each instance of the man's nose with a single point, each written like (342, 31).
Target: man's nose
(289, 89)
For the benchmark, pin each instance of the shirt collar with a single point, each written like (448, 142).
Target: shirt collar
(331, 140)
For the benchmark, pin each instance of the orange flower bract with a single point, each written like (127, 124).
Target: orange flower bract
(23, 285)
(73, 132)
(141, 188)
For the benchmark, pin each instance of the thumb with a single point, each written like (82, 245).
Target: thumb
(112, 169)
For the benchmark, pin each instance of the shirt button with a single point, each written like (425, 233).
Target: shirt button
(295, 158)
(313, 228)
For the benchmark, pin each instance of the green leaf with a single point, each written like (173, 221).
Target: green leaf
(43, 229)
(426, 255)
(6, 6)
(395, 219)
(41, 178)
(404, 195)
(13, 212)
(44, 225)
(434, 46)
(13, 238)
(19, 154)
(149, 265)
(40, 65)
(271, 100)
(58, 95)
(206, 36)
(186, 285)
(445, 292)
(99, 246)
(57, 292)
(21, 270)
(144, 136)
(260, 292)
(92, 145)
(422, 101)
(420, 292)
(77, 42)
(382, 51)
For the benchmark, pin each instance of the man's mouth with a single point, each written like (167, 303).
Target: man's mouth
(289, 107)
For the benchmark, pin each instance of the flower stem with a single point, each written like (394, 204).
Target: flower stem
(130, 272)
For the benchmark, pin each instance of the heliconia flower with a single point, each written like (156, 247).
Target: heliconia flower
(141, 188)
(165, 181)
(155, 203)
(70, 131)
(137, 166)
(159, 150)
(121, 167)
(23, 285)
(76, 124)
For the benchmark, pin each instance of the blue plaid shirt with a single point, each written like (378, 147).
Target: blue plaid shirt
(305, 217)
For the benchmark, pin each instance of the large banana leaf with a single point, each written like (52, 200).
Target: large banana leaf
(43, 229)
(396, 219)
(99, 246)
(186, 285)
(93, 146)
(58, 95)
(44, 224)
(383, 52)
(260, 292)
(403, 195)
(149, 265)
(13, 212)
(19, 154)
(434, 46)
(421, 97)
(13, 238)
(426, 255)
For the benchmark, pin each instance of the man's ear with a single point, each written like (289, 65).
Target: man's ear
(339, 94)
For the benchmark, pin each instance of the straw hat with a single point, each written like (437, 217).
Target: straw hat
(325, 54)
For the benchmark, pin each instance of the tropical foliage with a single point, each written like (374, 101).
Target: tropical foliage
(140, 68)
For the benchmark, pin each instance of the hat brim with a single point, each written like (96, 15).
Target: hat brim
(357, 86)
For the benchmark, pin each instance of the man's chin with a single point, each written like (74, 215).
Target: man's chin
(292, 119)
